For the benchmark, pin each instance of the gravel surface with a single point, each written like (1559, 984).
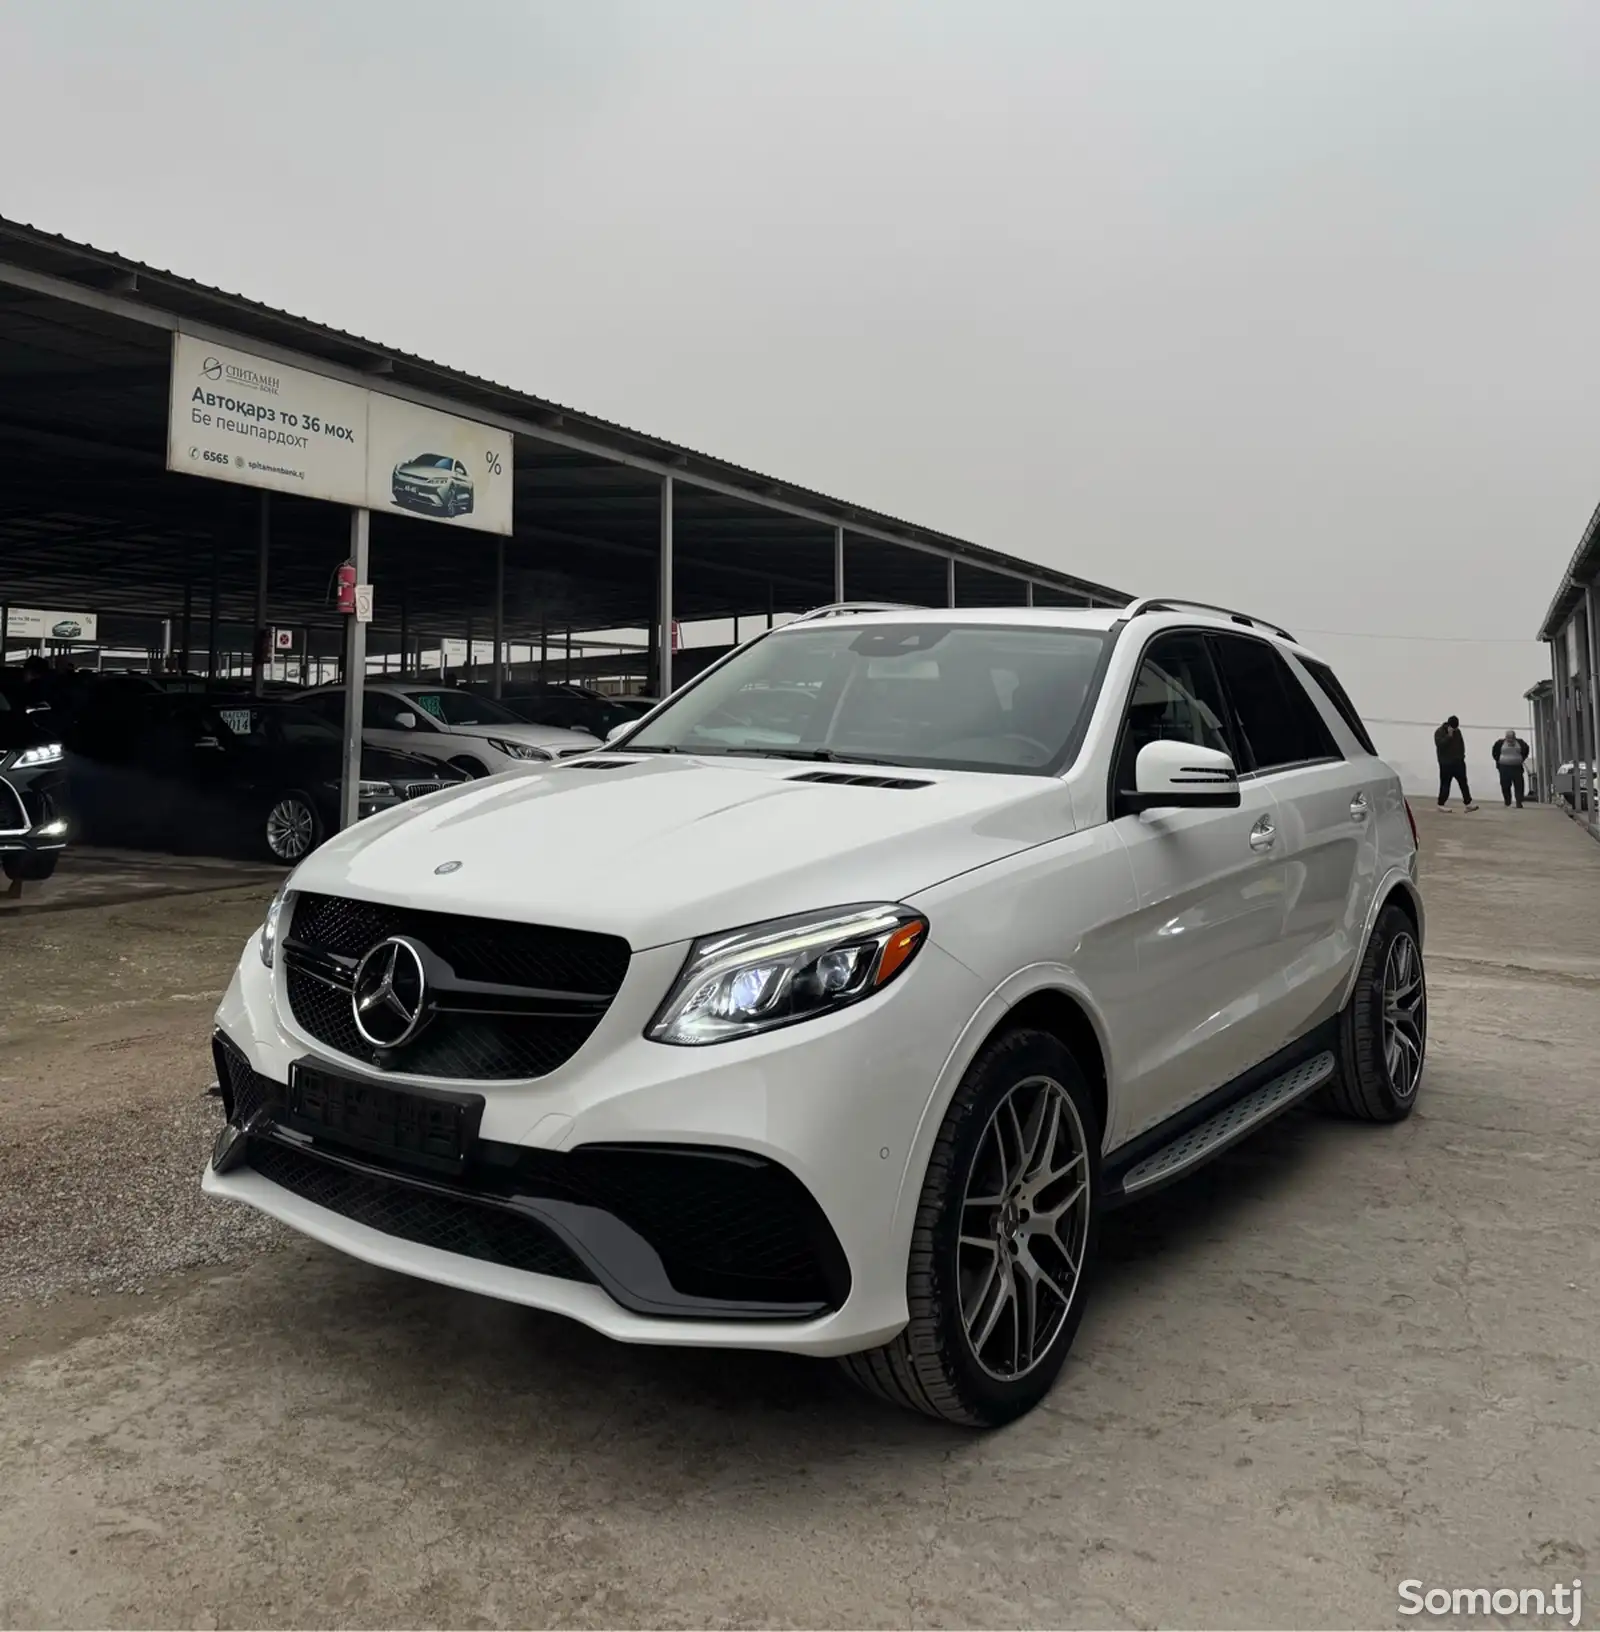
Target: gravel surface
(111, 1206)
(105, 1016)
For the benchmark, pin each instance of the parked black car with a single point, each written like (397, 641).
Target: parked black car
(223, 773)
(33, 818)
(575, 708)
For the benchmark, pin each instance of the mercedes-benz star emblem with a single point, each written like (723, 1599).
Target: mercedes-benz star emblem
(448, 867)
(390, 993)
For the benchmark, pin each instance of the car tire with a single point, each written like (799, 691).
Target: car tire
(26, 869)
(472, 767)
(1383, 1032)
(292, 827)
(998, 1140)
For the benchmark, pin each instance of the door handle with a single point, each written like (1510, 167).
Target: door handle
(1263, 835)
(1360, 810)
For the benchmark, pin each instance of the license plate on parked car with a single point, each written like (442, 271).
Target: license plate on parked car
(417, 1127)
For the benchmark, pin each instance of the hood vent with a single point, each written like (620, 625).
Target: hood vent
(597, 764)
(860, 779)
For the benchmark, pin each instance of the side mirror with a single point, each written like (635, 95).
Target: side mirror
(1179, 776)
(617, 730)
(406, 720)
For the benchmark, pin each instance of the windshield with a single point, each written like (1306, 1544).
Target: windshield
(435, 461)
(961, 697)
(463, 708)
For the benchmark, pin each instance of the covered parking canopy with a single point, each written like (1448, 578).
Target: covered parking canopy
(612, 529)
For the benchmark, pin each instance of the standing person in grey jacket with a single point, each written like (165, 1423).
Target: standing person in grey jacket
(1511, 760)
(1452, 750)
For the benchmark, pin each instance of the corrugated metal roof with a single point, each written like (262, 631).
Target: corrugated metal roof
(1581, 571)
(95, 269)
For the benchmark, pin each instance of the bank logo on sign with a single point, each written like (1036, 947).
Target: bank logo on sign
(212, 368)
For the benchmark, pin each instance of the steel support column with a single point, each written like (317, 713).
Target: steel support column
(355, 676)
(215, 618)
(664, 592)
(259, 651)
(1591, 698)
(499, 616)
(838, 564)
(950, 580)
(1030, 592)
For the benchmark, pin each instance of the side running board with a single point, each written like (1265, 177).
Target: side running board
(1231, 1124)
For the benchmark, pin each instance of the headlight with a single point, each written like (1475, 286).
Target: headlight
(792, 969)
(376, 790)
(45, 753)
(516, 750)
(269, 930)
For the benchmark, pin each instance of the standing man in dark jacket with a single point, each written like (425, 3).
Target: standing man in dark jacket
(1452, 749)
(1511, 760)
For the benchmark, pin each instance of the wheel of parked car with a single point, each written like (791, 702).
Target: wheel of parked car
(29, 869)
(293, 828)
(1384, 1029)
(1004, 1241)
(471, 766)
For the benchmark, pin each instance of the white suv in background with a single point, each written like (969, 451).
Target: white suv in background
(475, 734)
(839, 1040)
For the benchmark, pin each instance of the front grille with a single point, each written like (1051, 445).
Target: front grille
(431, 1218)
(420, 790)
(467, 1047)
(462, 1046)
(476, 948)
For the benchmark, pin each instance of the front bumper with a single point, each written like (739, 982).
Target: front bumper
(590, 1201)
(417, 497)
(32, 819)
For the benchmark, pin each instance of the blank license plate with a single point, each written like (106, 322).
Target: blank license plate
(418, 1127)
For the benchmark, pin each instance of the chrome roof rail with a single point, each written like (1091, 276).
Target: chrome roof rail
(1169, 603)
(845, 609)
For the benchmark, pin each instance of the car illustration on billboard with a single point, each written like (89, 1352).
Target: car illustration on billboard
(67, 629)
(435, 484)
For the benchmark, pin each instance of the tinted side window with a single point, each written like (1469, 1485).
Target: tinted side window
(1335, 693)
(385, 713)
(1176, 698)
(1279, 722)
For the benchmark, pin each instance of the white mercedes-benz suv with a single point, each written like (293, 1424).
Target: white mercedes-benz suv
(828, 1008)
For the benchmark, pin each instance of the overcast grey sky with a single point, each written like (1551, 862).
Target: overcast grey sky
(1290, 305)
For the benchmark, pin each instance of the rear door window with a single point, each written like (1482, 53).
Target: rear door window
(1336, 694)
(1279, 724)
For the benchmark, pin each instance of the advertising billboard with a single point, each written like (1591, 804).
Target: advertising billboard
(37, 623)
(240, 418)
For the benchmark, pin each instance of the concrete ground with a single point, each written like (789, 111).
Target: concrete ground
(1341, 1358)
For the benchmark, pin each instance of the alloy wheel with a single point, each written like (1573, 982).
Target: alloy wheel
(291, 827)
(1024, 1221)
(1405, 1015)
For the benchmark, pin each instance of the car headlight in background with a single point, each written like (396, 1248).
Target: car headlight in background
(269, 929)
(44, 753)
(516, 750)
(792, 969)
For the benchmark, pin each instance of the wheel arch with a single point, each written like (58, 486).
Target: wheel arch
(1400, 888)
(1044, 997)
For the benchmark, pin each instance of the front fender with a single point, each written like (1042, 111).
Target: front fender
(1015, 988)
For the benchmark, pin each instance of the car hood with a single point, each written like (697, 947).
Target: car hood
(662, 849)
(409, 469)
